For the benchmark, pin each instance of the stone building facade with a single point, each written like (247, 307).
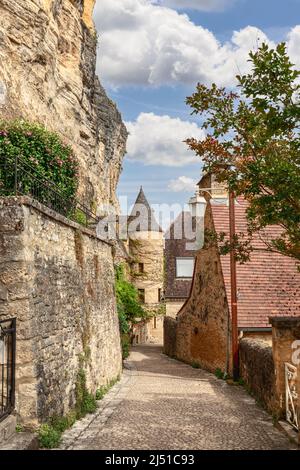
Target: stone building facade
(57, 280)
(178, 285)
(145, 246)
(47, 74)
(268, 285)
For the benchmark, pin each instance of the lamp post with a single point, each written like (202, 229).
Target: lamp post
(233, 282)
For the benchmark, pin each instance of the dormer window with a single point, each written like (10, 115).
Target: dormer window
(184, 268)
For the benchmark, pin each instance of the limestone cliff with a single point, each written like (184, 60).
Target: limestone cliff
(47, 74)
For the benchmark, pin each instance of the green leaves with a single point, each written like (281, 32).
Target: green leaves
(128, 304)
(44, 156)
(253, 142)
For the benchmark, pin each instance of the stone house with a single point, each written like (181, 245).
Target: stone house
(179, 264)
(268, 285)
(145, 246)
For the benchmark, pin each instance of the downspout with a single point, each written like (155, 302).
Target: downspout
(226, 373)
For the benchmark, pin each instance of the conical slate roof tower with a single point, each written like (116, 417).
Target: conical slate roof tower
(142, 218)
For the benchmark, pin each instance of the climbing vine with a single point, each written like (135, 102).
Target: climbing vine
(128, 306)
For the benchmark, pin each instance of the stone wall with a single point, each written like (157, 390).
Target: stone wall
(258, 371)
(170, 333)
(57, 279)
(286, 348)
(173, 307)
(47, 74)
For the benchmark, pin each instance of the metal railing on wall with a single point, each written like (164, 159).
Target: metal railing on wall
(291, 395)
(18, 177)
(7, 366)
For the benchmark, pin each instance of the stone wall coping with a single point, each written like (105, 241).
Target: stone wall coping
(170, 319)
(255, 342)
(30, 202)
(285, 322)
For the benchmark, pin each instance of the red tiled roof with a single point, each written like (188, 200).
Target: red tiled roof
(268, 285)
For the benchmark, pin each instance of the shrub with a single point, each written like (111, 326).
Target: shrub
(19, 428)
(44, 156)
(195, 365)
(125, 344)
(102, 391)
(127, 297)
(48, 436)
(128, 306)
(219, 373)
(61, 423)
(85, 401)
(79, 217)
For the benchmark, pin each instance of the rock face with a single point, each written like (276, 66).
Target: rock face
(47, 74)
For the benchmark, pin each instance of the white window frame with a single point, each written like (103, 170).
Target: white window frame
(185, 259)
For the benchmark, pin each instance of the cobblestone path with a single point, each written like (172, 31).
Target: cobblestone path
(161, 404)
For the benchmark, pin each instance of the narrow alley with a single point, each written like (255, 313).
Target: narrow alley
(161, 403)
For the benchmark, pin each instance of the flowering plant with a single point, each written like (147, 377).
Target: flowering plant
(41, 153)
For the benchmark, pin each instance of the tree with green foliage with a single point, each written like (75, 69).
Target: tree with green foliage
(129, 308)
(252, 144)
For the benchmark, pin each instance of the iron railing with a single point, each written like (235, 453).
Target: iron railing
(291, 395)
(7, 366)
(18, 177)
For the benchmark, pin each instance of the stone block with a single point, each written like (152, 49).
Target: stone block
(7, 428)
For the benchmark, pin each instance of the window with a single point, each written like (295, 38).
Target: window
(184, 267)
(141, 267)
(141, 295)
(159, 295)
(154, 323)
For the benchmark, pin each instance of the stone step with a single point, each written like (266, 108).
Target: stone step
(21, 441)
(12, 440)
(7, 428)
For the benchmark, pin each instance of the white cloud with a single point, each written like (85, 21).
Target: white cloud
(158, 140)
(182, 184)
(294, 45)
(202, 5)
(146, 44)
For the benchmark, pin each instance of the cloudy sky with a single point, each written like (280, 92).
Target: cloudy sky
(151, 55)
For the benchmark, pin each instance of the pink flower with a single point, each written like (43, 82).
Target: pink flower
(34, 160)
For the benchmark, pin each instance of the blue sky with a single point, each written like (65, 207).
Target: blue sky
(151, 55)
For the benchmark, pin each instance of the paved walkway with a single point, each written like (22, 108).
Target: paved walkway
(163, 404)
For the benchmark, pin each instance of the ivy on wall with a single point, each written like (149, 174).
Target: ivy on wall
(129, 309)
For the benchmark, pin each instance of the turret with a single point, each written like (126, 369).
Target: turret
(146, 250)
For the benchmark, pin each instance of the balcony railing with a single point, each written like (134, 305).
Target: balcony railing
(18, 177)
(7, 366)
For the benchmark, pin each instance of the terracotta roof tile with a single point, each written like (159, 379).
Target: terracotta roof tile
(267, 285)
